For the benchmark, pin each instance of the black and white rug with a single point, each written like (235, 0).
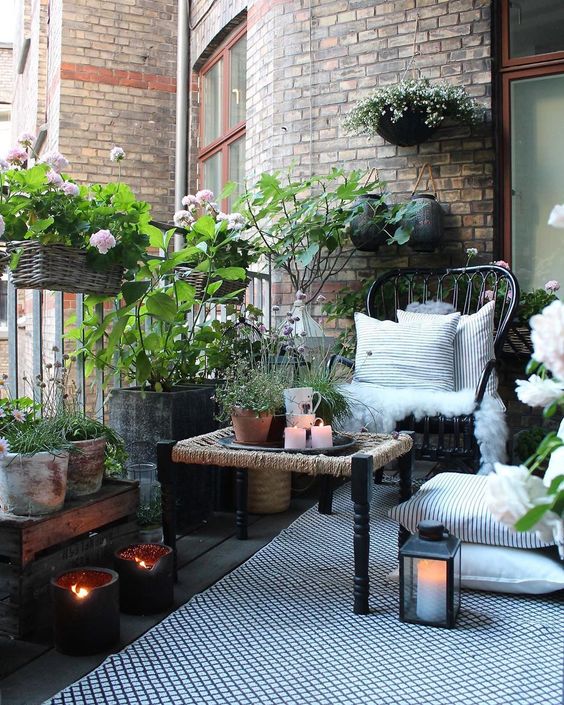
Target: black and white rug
(280, 630)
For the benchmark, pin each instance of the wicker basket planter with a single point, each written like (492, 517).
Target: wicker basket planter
(198, 281)
(518, 341)
(62, 268)
(269, 492)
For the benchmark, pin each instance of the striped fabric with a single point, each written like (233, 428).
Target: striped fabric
(457, 501)
(473, 346)
(417, 354)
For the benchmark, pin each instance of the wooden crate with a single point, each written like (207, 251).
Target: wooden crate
(32, 549)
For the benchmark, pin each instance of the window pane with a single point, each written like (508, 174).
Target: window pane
(236, 167)
(537, 155)
(212, 86)
(535, 27)
(212, 174)
(238, 82)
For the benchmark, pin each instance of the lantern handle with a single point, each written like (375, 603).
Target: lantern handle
(430, 178)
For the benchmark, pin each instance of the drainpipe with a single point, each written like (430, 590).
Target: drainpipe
(182, 92)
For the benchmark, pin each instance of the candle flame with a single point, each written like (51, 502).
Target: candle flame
(141, 563)
(80, 592)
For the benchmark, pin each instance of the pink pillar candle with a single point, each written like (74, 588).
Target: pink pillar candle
(321, 437)
(294, 438)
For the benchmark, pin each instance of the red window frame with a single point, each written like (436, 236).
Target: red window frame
(533, 66)
(228, 134)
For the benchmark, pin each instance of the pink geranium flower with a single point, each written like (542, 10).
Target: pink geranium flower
(117, 154)
(551, 286)
(502, 263)
(70, 189)
(489, 295)
(26, 139)
(56, 161)
(204, 196)
(17, 156)
(4, 448)
(54, 178)
(183, 219)
(103, 241)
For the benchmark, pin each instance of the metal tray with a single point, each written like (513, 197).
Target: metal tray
(339, 443)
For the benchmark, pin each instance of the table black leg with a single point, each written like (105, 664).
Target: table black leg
(405, 464)
(361, 492)
(241, 515)
(167, 476)
(325, 505)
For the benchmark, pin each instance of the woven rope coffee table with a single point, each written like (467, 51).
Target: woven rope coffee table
(370, 452)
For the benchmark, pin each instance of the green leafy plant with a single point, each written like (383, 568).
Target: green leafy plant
(150, 513)
(258, 389)
(40, 204)
(157, 334)
(533, 302)
(436, 101)
(44, 435)
(303, 225)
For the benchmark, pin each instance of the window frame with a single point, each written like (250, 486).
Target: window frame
(228, 135)
(533, 66)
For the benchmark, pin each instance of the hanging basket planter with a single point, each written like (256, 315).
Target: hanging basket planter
(409, 130)
(62, 268)
(199, 280)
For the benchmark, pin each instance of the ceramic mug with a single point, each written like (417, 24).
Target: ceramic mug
(301, 420)
(300, 400)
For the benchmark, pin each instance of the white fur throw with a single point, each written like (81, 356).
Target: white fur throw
(378, 409)
(437, 307)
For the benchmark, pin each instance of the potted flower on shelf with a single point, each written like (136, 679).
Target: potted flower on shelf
(66, 237)
(33, 460)
(410, 111)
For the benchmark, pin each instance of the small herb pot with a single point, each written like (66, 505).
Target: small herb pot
(250, 427)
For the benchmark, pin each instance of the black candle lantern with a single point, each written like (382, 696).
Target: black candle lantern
(430, 577)
(86, 611)
(146, 578)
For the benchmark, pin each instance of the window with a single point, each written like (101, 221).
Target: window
(223, 86)
(532, 95)
(3, 303)
(5, 129)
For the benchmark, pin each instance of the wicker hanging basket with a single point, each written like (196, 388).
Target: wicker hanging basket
(62, 268)
(199, 279)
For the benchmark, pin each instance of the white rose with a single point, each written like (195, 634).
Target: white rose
(556, 217)
(511, 491)
(547, 334)
(555, 468)
(537, 391)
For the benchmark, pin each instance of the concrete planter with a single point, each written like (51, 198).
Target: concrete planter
(33, 485)
(144, 418)
(86, 468)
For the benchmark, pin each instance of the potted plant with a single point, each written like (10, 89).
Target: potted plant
(33, 460)
(252, 394)
(410, 111)
(149, 518)
(66, 237)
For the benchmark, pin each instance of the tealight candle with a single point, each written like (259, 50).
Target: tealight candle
(321, 436)
(294, 438)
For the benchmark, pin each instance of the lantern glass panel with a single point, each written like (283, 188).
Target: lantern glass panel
(457, 577)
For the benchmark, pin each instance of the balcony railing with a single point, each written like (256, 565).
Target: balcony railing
(38, 321)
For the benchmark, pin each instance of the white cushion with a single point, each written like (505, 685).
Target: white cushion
(510, 570)
(418, 354)
(457, 501)
(473, 345)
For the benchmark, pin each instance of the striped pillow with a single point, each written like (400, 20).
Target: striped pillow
(473, 346)
(457, 501)
(417, 354)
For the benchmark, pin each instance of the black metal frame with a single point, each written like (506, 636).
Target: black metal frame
(465, 289)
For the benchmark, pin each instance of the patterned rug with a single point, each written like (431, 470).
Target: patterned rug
(280, 630)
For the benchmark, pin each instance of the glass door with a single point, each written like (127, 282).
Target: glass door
(537, 177)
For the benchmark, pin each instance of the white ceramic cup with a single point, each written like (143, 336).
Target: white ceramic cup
(301, 420)
(300, 400)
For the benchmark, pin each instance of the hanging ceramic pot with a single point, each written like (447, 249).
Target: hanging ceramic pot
(427, 223)
(369, 229)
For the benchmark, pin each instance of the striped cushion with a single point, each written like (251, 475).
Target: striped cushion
(417, 354)
(457, 501)
(473, 346)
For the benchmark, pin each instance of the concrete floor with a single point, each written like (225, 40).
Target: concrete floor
(32, 671)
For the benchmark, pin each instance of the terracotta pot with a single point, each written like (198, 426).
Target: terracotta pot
(250, 428)
(86, 467)
(32, 485)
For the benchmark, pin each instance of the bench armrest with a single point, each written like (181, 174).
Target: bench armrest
(484, 379)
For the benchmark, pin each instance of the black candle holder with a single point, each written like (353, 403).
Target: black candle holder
(146, 578)
(85, 610)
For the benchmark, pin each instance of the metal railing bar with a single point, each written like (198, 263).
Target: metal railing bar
(13, 360)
